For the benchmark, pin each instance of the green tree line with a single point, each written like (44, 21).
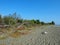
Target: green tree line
(13, 19)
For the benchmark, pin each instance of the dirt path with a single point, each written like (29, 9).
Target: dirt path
(52, 37)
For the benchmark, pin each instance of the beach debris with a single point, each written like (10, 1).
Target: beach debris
(44, 32)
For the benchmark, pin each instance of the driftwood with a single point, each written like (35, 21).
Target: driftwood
(4, 26)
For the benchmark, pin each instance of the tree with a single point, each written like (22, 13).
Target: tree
(37, 22)
(9, 20)
(53, 22)
(42, 23)
(12, 19)
(19, 20)
(0, 18)
(33, 21)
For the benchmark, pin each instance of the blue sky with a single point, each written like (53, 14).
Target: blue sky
(44, 10)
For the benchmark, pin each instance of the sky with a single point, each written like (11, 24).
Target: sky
(44, 10)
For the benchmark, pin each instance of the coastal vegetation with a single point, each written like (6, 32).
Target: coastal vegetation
(13, 19)
(14, 26)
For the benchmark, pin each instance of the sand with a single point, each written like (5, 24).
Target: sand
(52, 37)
